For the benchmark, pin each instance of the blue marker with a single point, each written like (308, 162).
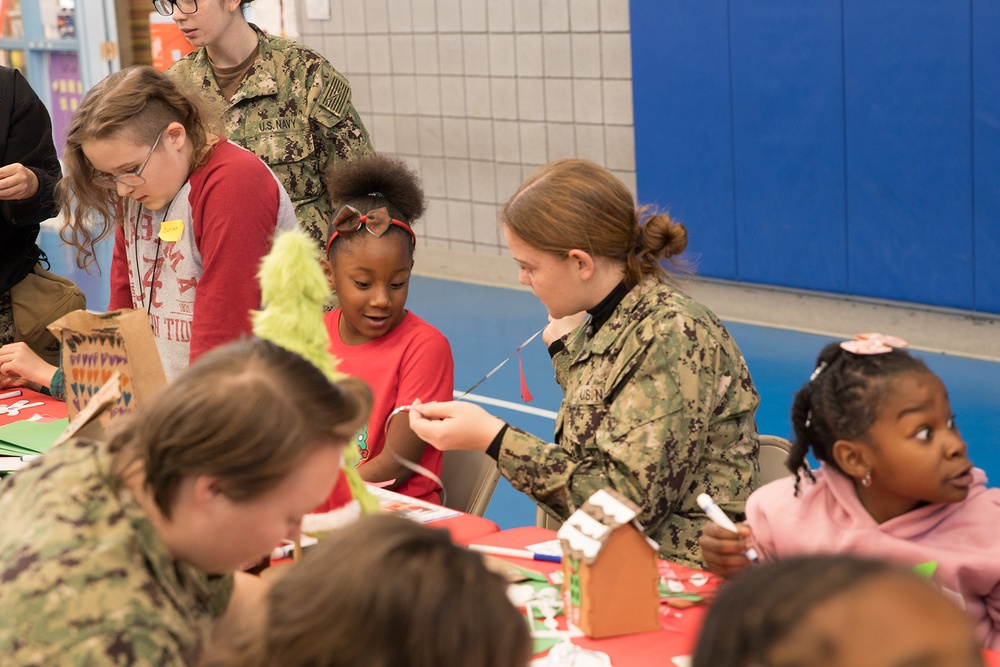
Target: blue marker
(719, 518)
(514, 553)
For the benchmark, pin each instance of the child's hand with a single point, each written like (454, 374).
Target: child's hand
(454, 425)
(558, 328)
(20, 366)
(722, 550)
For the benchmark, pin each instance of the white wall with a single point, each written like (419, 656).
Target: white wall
(476, 94)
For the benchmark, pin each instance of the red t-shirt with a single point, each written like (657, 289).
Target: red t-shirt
(411, 361)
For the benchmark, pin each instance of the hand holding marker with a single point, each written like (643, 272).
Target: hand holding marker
(719, 518)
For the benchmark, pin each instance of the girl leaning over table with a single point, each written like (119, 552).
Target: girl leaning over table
(658, 402)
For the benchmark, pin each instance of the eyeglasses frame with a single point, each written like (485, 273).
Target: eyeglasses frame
(172, 4)
(109, 181)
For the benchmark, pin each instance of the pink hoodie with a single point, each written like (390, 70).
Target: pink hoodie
(962, 538)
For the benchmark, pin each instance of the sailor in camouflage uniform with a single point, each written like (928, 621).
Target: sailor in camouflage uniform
(103, 562)
(658, 402)
(282, 100)
(86, 581)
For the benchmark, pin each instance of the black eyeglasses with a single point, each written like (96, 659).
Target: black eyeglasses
(166, 7)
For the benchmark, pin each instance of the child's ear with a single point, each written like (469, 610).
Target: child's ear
(331, 280)
(853, 458)
(206, 489)
(175, 135)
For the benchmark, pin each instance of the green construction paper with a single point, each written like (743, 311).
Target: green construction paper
(24, 438)
(542, 644)
(926, 569)
(531, 575)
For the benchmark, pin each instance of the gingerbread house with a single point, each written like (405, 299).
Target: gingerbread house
(610, 569)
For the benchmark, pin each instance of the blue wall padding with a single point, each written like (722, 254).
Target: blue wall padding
(847, 146)
(909, 150)
(986, 154)
(789, 143)
(685, 58)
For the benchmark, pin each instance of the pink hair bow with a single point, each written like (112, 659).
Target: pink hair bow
(873, 343)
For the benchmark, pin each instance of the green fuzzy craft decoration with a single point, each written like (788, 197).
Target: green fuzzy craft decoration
(293, 290)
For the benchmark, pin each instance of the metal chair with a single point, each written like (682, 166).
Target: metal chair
(469, 479)
(773, 455)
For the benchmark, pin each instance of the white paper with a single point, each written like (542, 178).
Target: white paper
(547, 548)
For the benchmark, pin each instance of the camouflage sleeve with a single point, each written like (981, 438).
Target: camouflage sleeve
(645, 437)
(340, 134)
(132, 645)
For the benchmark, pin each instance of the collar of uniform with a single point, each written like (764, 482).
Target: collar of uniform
(606, 336)
(262, 79)
(600, 313)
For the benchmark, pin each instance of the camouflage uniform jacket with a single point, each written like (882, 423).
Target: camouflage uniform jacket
(659, 404)
(84, 580)
(293, 110)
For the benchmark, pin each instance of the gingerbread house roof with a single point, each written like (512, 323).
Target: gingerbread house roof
(585, 533)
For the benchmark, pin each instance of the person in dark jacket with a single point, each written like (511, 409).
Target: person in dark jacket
(28, 176)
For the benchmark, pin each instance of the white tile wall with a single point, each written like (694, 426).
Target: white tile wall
(428, 96)
(584, 16)
(376, 16)
(431, 141)
(477, 94)
(453, 96)
(483, 176)
(530, 99)
(474, 16)
(500, 17)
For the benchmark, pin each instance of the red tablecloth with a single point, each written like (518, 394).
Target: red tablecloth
(50, 407)
(679, 627)
(466, 528)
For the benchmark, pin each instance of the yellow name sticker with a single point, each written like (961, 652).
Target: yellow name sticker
(171, 230)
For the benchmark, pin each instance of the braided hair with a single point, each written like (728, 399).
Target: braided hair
(840, 401)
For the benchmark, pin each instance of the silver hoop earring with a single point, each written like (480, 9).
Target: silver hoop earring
(866, 481)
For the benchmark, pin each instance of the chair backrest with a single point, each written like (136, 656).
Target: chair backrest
(773, 455)
(543, 520)
(469, 479)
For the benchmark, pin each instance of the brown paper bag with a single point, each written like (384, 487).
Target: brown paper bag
(95, 345)
(92, 421)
